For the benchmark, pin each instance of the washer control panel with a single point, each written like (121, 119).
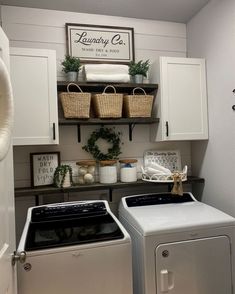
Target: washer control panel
(83, 209)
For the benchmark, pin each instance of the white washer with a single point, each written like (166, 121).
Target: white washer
(74, 247)
(180, 245)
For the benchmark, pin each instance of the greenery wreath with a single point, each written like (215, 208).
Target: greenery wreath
(110, 136)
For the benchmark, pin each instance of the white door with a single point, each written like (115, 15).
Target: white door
(7, 213)
(201, 266)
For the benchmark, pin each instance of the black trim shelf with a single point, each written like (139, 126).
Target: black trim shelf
(21, 192)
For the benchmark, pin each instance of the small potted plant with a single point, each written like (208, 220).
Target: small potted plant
(63, 176)
(71, 66)
(139, 70)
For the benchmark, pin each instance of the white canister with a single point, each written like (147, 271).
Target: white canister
(128, 170)
(86, 171)
(108, 171)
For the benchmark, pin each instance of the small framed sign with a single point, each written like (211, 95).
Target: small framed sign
(42, 167)
(170, 159)
(106, 44)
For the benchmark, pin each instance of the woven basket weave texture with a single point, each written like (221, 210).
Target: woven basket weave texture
(138, 105)
(75, 104)
(108, 105)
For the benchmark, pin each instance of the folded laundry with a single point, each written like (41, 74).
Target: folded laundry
(106, 68)
(121, 78)
(153, 171)
(159, 168)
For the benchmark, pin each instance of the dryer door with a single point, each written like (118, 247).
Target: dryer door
(201, 266)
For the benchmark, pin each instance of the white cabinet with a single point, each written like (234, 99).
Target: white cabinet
(33, 74)
(181, 103)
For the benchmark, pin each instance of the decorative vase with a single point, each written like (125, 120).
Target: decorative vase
(67, 182)
(132, 79)
(63, 176)
(72, 76)
(139, 79)
(64, 180)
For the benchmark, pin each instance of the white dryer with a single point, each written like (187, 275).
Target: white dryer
(180, 245)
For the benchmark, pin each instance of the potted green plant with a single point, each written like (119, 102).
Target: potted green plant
(139, 70)
(63, 176)
(71, 66)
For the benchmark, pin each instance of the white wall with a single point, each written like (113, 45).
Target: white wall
(211, 34)
(36, 28)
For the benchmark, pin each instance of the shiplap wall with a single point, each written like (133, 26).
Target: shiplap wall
(37, 28)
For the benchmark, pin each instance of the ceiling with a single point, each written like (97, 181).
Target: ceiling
(167, 10)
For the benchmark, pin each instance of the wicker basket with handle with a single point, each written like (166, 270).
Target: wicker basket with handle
(75, 104)
(138, 105)
(108, 105)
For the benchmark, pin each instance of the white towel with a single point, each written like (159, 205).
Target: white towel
(119, 78)
(106, 68)
(159, 167)
(151, 171)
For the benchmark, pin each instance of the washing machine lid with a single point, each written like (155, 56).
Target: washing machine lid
(79, 223)
(152, 219)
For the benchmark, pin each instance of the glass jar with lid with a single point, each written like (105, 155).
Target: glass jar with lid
(86, 171)
(107, 171)
(128, 170)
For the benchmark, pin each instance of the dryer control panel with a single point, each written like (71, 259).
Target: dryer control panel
(157, 199)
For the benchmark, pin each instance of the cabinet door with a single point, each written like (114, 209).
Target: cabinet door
(33, 74)
(183, 99)
(201, 266)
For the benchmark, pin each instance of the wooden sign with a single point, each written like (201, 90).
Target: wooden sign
(104, 44)
(43, 166)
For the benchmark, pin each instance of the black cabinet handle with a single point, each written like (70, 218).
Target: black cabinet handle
(53, 131)
(167, 129)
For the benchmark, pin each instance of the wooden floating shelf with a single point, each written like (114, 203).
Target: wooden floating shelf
(99, 87)
(104, 121)
(125, 88)
(40, 191)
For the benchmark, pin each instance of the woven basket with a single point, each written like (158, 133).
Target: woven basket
(138, 105)
(108, 105)
(75, 104)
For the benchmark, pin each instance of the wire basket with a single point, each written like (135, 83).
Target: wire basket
(167, 159)
(164, 178)
(108, 105)
(75, 104)
(138, 105)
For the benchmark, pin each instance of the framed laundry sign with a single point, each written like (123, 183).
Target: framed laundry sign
(42, 166)
(100, 44)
